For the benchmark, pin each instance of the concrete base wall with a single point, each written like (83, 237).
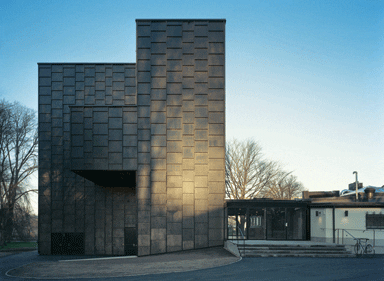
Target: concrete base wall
(232, 248)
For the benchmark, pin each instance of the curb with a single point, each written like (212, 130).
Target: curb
(18, 249)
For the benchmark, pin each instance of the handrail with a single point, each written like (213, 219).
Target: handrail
(337, 233)
(348, 233)
(354, 238)
(358, 240)
(242, 234)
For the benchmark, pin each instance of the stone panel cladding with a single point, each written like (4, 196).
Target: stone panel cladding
(163, 117)
(87, 121)
(181, 85)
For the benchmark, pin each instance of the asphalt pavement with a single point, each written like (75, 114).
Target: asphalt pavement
(204, 264)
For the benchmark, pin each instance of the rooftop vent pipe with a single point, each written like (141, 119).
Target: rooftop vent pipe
(357, 187)
(370, 191)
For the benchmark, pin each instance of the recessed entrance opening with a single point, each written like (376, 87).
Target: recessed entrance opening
(122, 184)
(109, 178)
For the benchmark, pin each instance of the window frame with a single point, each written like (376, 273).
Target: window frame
(374, 221)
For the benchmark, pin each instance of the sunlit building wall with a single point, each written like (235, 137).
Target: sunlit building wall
(131, 156)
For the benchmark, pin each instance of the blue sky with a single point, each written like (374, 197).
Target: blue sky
(303, 78)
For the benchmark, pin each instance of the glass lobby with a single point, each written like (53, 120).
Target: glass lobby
(255, 222)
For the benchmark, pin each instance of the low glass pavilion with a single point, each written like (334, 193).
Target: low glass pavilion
(267, 219)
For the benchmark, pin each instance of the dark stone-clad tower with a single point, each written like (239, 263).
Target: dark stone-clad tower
(131, 156)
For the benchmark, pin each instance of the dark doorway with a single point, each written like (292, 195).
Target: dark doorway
(130, 241)
(67, 243)
(276, 225)
(295, 223)
(286, 223)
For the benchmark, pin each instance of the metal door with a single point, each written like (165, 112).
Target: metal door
(286, 224)
(130, 241)
(276, 224)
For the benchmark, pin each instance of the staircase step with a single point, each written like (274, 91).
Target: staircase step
(293, 250)
(296, 250)
(293, 246)
(302, 255)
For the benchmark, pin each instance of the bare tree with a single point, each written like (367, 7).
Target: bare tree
(22, 221)
(248, 175)
(18, 161)
(284, 186)
(246, 172)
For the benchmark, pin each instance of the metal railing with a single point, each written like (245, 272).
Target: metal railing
(344, 234)
(345, 237)
(243, 237)
(237, 237)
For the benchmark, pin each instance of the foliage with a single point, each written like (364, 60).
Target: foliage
(248, 175)
(15, 245)
(18, 161)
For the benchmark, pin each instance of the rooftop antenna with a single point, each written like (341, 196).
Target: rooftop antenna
(357, 187)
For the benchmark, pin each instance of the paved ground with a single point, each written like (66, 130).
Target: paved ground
(49, 267)
(30, 263)
(15, 251)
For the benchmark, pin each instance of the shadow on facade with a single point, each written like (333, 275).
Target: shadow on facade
(91, 219)
(160, 120)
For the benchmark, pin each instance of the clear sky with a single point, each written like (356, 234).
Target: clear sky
(303, 78)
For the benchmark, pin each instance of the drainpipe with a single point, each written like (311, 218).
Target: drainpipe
(357, 187)
(333, 223)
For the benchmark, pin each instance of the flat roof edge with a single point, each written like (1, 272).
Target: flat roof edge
(348, 205)
(71, 63)
(224, 20)
(90, 105)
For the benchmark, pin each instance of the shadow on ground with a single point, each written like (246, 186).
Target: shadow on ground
(126, 266)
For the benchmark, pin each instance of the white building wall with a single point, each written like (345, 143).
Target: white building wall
(318, 225)
(355, 225)
(328, 225)
(345, 226)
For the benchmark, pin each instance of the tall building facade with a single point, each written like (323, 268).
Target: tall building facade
(132, 155)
